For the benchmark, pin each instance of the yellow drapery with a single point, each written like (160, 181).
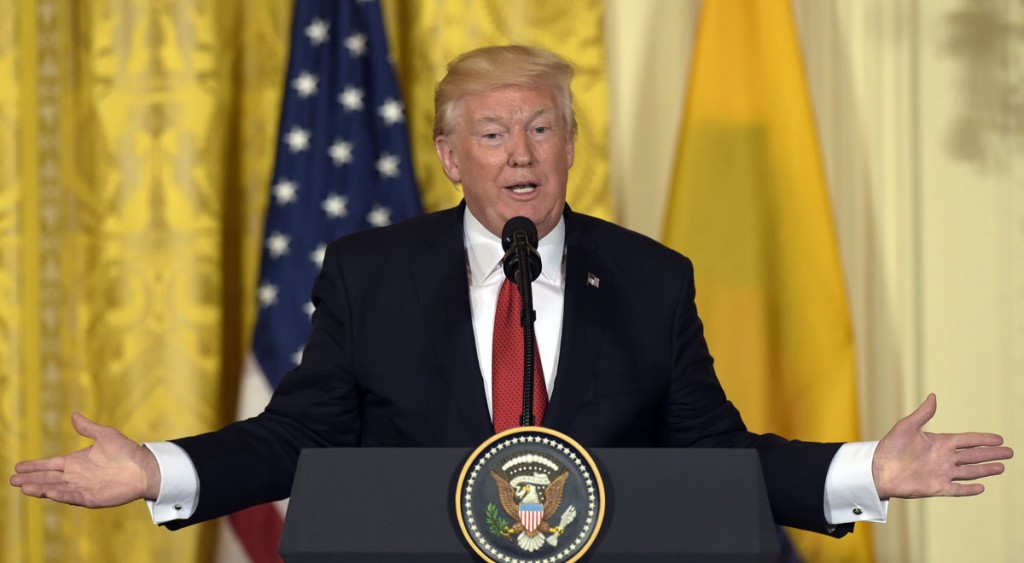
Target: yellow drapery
(136, 141)
(426, 35)
(750, 207)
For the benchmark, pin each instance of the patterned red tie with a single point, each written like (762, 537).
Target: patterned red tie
(507, 364)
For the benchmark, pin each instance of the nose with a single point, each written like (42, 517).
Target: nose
(520, 151)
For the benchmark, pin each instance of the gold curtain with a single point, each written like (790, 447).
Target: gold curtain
(426, 34)
(136, 143)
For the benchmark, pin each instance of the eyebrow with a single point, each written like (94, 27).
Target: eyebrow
(487, 119)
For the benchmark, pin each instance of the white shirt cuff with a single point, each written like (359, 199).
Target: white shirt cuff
(179, 483)
(850, 493)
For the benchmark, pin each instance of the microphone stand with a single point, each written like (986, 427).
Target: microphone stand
(524, 281)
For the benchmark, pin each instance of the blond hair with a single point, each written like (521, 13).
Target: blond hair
(487, 68)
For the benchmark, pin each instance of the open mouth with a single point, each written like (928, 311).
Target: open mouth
(523, 188)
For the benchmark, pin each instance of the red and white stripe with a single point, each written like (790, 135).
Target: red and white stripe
(252, 535)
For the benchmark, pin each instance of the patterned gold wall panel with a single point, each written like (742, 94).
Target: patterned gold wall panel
(136, 144)
(12, 433)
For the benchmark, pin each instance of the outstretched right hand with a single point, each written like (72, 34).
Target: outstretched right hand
(113, 471)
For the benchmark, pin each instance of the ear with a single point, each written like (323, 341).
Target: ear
(570, 151)
(450, 163)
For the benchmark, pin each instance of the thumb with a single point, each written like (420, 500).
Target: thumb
(923, 413)
(84, 426)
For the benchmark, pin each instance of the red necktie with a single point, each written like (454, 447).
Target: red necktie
(507, 364)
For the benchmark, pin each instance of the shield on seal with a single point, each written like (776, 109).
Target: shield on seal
(530, 514)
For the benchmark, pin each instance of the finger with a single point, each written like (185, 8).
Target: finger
(59, 494)
(38, 491)
(972, 472)
(84, 426)
(973, 439)
(922, 414)
(65, 496)
(38, 478)
(47, 464)
(965, 489)
(982, 455)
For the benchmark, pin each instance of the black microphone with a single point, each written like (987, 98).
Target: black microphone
(518, 237)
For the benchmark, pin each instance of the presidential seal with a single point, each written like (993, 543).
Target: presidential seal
(530, 494)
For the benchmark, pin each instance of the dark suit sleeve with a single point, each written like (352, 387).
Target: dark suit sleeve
(698, 414)
(316, 405)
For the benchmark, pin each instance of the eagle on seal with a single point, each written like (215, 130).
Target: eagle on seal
(527, 495)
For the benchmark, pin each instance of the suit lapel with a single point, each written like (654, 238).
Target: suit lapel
(582, 326)
(443, 291)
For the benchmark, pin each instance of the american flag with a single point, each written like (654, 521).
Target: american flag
(343, 165)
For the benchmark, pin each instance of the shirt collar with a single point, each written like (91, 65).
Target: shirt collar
(484, 251)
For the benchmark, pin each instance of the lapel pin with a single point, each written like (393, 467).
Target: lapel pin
(593, 280)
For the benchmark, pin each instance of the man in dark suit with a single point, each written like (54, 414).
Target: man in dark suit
(400, 351)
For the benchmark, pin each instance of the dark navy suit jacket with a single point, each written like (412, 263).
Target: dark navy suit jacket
(391, 361)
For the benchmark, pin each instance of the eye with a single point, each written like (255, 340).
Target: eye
(541, 129)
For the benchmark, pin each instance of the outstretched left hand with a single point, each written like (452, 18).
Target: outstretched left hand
(912, 463)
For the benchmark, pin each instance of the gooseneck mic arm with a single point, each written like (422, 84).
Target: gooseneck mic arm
(527, 316)
(522, 265)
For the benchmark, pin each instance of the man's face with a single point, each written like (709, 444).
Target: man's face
(511, 153)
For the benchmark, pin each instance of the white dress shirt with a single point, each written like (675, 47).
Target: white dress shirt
(486, 275)
(850, 494)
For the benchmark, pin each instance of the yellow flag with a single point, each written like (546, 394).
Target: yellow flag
(749, 205)
(424, 36)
